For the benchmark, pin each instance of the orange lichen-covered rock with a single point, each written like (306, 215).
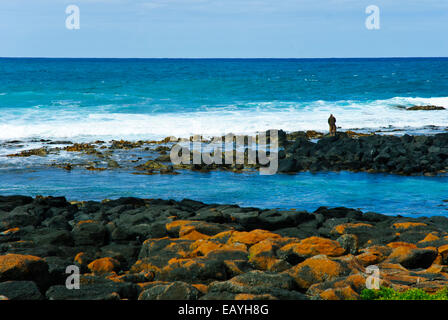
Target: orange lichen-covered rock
(356, 281)
(347, 227)
(83, 258)
(443, 253)
(189, 232)
(263, 256)
(236, 267)
(144, 266)
(350, 262)
(201, 287)
(429, 238)
(438, 260)
(373, 255)
(329, 294)
(401, 244)
(317, 269)
(104, 265)
(203, 247)
(407, 225)
(389, 267)
(252, 237)
(368, 259)
(206, 228)
(412, 258)
(175, 226)
(345, 293)
(222, 237)
(340, 288)
(141, 277)
(264, 248)
(382, 251)
(22, 267)
(194, 269)
(313, 246)
(443, 249)
(164, 249)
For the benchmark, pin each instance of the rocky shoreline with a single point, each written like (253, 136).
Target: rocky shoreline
(133, 248)
(299, 151)
(404, 155)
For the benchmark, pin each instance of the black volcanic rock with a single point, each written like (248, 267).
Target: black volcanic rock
(404, 155)
(191, 250)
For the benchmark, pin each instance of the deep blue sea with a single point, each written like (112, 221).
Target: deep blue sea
(134, 99)
(70, 98)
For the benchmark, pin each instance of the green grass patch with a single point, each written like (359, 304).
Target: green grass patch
(412, 294)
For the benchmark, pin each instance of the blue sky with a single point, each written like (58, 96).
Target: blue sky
(223, 28)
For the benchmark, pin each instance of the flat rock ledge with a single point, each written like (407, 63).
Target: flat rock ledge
(134, 248)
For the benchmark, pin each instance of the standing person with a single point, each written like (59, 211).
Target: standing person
(332, 123)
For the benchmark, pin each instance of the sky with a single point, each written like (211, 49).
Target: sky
(224, 29)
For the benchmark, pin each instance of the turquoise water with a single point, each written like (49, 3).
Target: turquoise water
(138, 99)
(147, 98)
(382, 193)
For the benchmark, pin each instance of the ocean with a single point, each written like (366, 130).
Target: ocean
(142, 99)
(154, 98)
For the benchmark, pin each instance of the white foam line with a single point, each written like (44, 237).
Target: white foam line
(257, 117)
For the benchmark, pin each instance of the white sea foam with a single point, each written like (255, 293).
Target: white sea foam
(289, 116)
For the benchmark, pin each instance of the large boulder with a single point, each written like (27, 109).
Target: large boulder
(413, 258)
(279, 285)
(23, 267)
(318, 269)
(309, 247)
(263, 256)
(104, 265)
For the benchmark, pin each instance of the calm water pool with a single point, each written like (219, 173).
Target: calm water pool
(387, 194)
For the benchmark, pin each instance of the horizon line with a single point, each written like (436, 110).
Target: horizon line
(228, 58)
